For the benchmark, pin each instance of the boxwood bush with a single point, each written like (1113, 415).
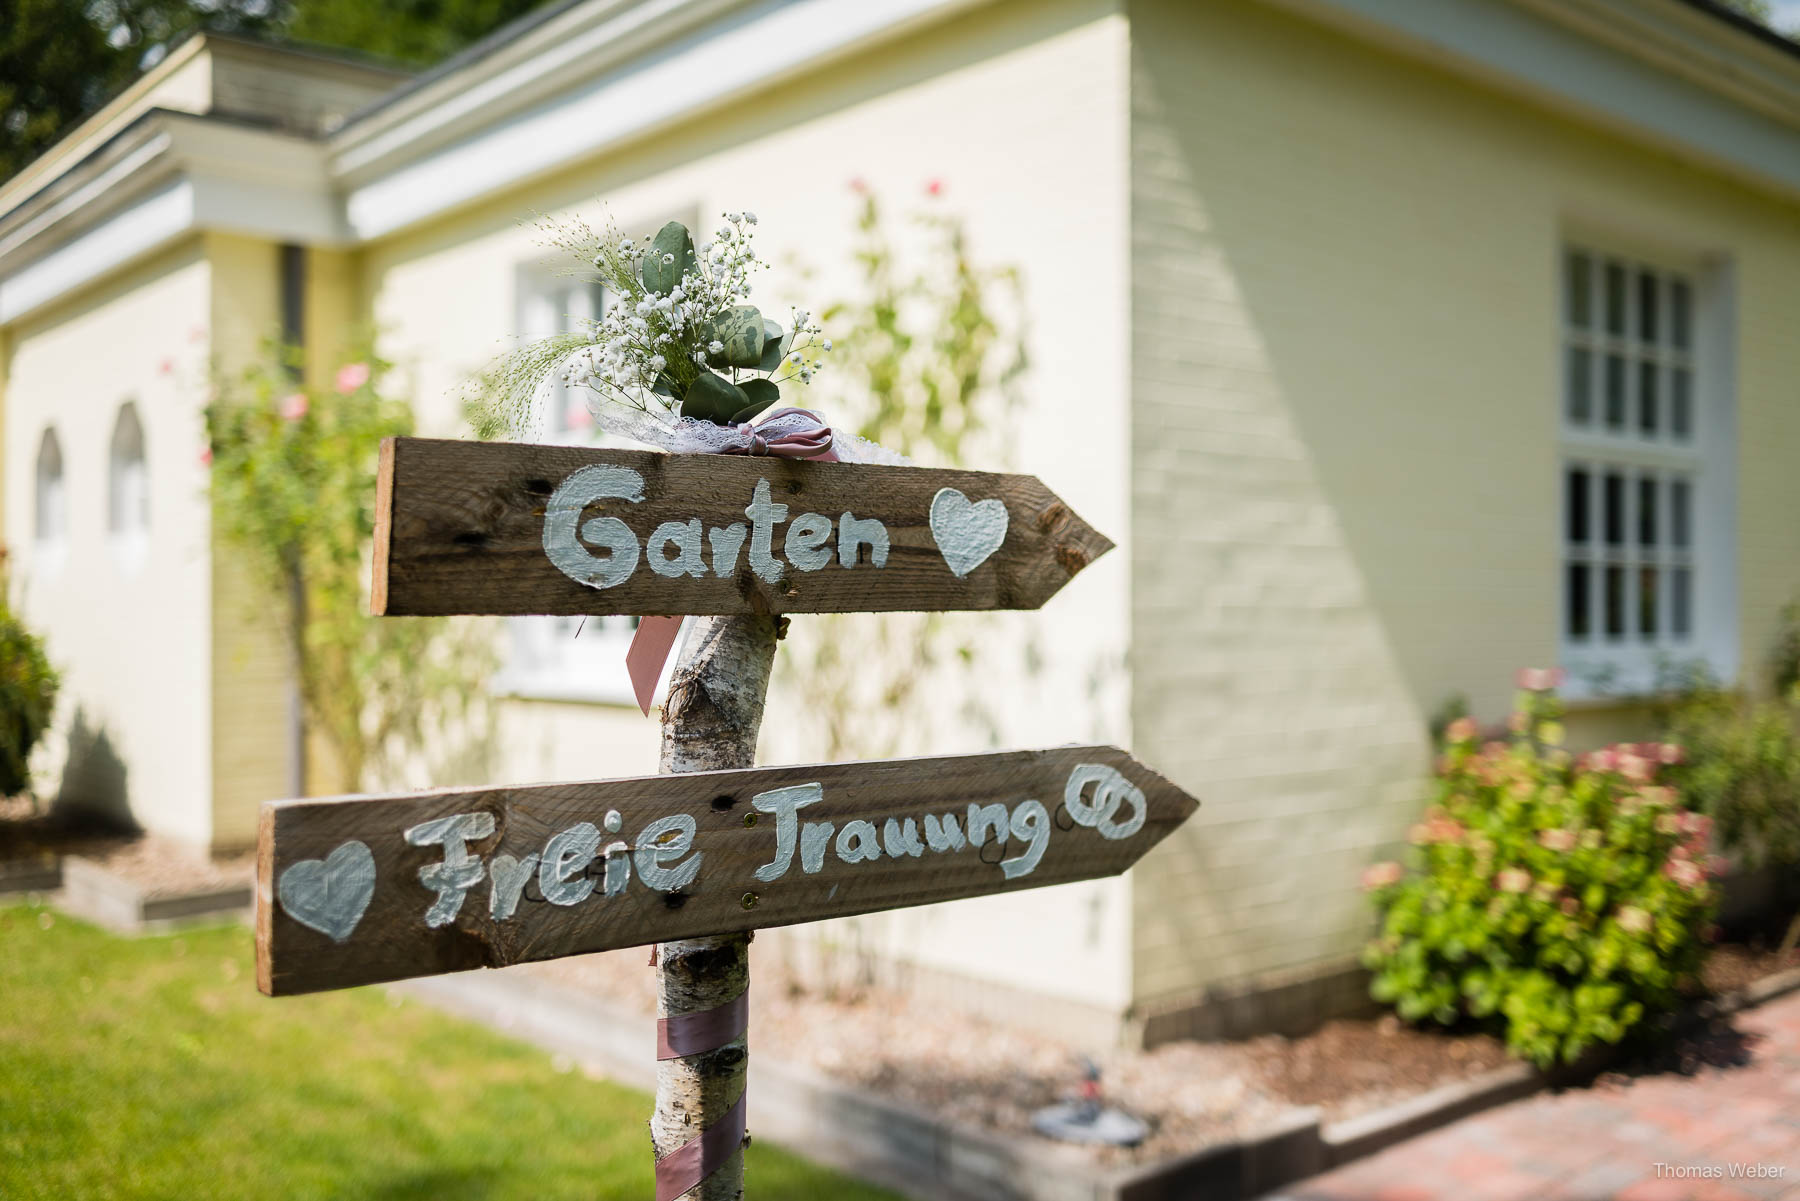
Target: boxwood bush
(1561, 899)
(28, 687)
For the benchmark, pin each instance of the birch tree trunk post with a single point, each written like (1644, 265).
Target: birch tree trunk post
(710, 721)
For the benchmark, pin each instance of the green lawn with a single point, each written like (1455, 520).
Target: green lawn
(152, 1068)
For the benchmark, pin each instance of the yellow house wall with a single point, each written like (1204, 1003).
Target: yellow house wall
(251, 692)
(1039, 180)
(1345, 299)
(132, 643)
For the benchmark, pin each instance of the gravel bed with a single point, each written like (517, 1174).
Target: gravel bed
(994, 1077)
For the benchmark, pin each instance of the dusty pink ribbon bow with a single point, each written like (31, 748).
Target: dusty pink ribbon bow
(785, 434)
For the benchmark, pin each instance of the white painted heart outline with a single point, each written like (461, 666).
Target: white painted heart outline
(331, 894)
(966, 532)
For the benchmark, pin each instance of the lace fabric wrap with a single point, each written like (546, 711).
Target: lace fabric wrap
(788, 432)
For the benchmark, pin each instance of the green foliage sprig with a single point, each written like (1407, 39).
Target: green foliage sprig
(1561, 899)
(930, 350)
(293, 491)
(28, 688)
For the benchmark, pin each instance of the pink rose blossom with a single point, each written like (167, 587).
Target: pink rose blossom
(1513, 879)
(1633, 920)
(1557, 840)
(206, 456)
(292, 407)
(859, 185)
(1461, 730)
(1670, 752)
(1605, 759)
(1381, 875)
(1539, 679)
(934, 187)
(166, 367)
(1684, 873)
(352, 376)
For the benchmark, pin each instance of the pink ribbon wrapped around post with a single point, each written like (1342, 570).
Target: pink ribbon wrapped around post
(784, 434)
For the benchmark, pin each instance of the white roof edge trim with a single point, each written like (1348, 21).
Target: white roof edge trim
(362, 149)
(1518, 50)
(145, 227)
(734, 56)
(89, 192)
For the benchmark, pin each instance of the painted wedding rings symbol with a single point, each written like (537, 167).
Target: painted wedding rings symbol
(1110, 790)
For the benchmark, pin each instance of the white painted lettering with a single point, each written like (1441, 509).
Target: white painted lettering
(854, 532)
(460, 871)
(764, 515)
(1030, 821)
(785, 804)
(561, 875)
(618, 868)
(508, 876)
(562, 516)
(814, 838)
(898, 839)
(858, 842)
(984, 819)
(942, 833)
(808, 543)
(664, 840)
(726, 541)
(685, 537)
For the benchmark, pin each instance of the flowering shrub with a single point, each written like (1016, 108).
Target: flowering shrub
(293, 489)
(28, 686)
(1562, 898)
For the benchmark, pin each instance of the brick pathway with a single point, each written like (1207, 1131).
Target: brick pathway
(1739, 1106)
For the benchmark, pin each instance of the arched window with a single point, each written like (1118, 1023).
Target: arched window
(128, 488)
(51, 521)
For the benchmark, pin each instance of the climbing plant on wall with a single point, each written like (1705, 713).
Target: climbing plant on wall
(293, 491)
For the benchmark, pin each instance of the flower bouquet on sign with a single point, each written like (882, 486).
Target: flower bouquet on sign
(678, 358)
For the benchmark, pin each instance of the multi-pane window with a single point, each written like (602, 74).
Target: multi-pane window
(50, 521)
(1631, 463)
(564, 658)
(128, 488)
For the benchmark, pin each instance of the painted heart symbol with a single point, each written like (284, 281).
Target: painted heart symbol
(330, 894)
(966, 533)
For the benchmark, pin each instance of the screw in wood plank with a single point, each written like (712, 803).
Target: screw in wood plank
(750, 900)
(749, 819)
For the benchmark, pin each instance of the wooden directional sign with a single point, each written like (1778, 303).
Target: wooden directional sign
(486, 527)
(354, 890)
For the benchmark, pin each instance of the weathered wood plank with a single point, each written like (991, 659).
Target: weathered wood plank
(349, 888)
(481, 527)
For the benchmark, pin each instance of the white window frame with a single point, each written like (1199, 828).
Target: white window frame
(555, 658)
(1602, 663)
(50, 505)
(128, 492)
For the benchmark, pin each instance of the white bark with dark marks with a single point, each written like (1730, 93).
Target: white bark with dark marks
(710, 721)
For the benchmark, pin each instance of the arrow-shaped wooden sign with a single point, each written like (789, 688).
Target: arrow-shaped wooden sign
(490, 527)
(354, 890)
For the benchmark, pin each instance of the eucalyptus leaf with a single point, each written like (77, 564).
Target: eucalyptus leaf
(674, 243)
(775, 348)
(762, 394)
(741, 330)
(713, 398)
